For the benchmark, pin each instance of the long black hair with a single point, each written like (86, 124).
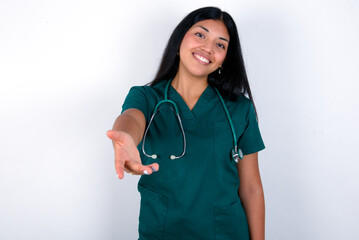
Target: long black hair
(233, 80)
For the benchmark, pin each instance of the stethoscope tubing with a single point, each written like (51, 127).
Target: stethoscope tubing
(157, 109)
(236, 152)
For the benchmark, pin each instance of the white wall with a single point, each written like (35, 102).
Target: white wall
(66, 66)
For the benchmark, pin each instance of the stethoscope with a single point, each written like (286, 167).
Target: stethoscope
(236, 152)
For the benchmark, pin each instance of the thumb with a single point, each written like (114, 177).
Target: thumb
(113, 135)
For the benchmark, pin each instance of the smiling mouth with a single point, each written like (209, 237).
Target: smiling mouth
(201, 58)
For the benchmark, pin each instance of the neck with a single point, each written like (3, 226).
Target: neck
(189, 87)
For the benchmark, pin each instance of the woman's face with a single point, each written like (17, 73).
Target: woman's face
(204, 48)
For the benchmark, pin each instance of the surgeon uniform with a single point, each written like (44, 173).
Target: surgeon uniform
(194, 197)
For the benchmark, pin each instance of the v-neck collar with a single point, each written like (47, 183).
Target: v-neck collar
(201, 105)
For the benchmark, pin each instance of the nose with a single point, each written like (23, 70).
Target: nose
(207, 47)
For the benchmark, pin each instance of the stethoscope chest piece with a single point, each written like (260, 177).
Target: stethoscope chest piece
(237, 154)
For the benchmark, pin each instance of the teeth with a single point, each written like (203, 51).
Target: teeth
(205, 60)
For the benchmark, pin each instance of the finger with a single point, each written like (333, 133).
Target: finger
(120, 172)
(154, 166)
(134, 167)
(119, 163)
(138, 169)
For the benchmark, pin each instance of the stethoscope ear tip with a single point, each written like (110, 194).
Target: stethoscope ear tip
(154, 156)
(172, 157)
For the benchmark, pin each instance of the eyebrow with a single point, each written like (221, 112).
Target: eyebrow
(222, 38)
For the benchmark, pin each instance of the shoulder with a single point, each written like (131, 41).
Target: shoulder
(241, 108)
(242, 102)
(142, 90)
(141, 97)
(242, 99)
(147, 89)
(138, 90)
(145, 94)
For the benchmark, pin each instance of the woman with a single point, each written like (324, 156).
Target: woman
(190, 179)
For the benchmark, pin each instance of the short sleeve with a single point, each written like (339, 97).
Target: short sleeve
(251, 140)
(136, 98)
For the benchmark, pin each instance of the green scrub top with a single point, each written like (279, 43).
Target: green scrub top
(194, 197)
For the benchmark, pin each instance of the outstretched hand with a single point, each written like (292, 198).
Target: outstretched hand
(127, 156)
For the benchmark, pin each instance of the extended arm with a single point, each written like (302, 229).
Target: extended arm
(131, 121)
(126, 134)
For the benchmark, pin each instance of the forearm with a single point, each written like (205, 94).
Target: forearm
(127, 123)
(253, 203)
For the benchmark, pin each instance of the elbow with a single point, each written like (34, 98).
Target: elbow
(250, 192)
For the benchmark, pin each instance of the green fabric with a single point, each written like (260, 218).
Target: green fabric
(194, 197)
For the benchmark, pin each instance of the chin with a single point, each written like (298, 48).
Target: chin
(196, 71)
(199, 74)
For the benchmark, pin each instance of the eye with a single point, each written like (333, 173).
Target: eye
(199, 35)
(221, 45)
